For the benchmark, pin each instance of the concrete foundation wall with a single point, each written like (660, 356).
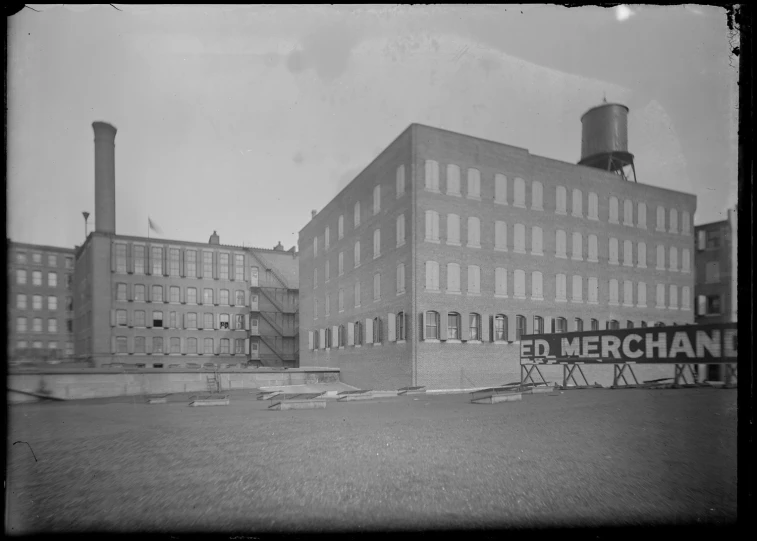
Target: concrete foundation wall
(94, 383)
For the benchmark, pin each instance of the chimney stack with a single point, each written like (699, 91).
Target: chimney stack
(214, 239)
(313, 213)
(105, 177)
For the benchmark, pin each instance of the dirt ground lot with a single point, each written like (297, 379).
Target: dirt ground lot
(583, 458)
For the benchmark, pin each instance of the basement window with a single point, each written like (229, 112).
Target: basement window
(157, 365)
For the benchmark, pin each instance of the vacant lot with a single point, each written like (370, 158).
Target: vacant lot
(588, 457)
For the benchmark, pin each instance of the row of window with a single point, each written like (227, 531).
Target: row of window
(455, 328)
(501, 196)
(52, 345)
(52, 302)
(52, 260)
(189, 320)
(400, 290)
(708, 240)
(192, 346)
(52, 325)
(152, 262)
(52, 278)
(174, 294)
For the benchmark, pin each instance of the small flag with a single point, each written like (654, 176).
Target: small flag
(153, 226)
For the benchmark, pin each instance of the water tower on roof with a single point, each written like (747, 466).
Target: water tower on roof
(604, 140)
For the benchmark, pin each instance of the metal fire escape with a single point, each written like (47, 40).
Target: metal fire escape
(272, 335)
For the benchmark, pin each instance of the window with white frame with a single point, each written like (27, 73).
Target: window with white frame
(613, 251)
(357, 294)
(613, 210)
(121, 258)
(340, 263)
(453, 326)
(628, 212)
(21, 301)
(537, 195)
(660, 218)
(432, 276)
(315, 308)
(685, 223)
(376, 243)
(340, 226)
(341, 300)
(561, 200)
(673, 221)
(21, 277)
(37, 278)
(537, 292)
(593, 206)
(561, 287)
(536, 240)
(500, 328)
(593, 290)
(641, 216)
(431, 324)
(190, 262)
(453, 229)
(20, 324)
(660, 296)
(519, 193)
(712, 272)
(453, 278)
(156, 254)
(474, 280)
(641, 255)
(52, 325)
(52, 279)
(520, 239)
(627, 253)
(174, 256)
(578, 245)
(400, 230)
(685, 298)
(174, 295)
(613, 291)
(207, 295)
(327, 305)
(578, 211)
(139, 293)
(641, 295)
(474, 327)
(357, 254)
(140, 319)
(156, 294)
(326, 238)
(673, 260)
(400, 180)
(315, 246)
(660, 257)
(376, 287)
(400, 279)
(627, 293)
(432, 175)
(326, 271)
(453, 179)
(500, 282)
(685, 260)
(519, 279)
(474, 183)
(52, 302)
(561, 244)
(474, 232)
(432, 226)
(315, 278)
(577, 289)
(500, 189)
(376, 199)
(500, 236)
(673, 304)
(357, 214)
(36, 302)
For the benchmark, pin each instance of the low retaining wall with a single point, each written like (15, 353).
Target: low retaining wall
(70, 384)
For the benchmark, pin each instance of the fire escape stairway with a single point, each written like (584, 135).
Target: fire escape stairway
(267, 266)
(266, 359)
(272, 298)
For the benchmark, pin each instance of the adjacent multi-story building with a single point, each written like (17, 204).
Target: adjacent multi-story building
(40, 302)
(160, 303)
(447, 248)
(716, 277)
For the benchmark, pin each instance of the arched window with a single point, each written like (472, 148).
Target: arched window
(500, 328)
(376, 243)
(377, 199)
(578, 211)
(453, 278)
(536, 240)
(627, 253)
(432, 175)
(629, 324)
(536, 286)
(673, 304)
(578, 324)
(641, 255)
(520, 327)
(673, 258)
(538, 325)
(561, 203)
(357, 214)
(400, 278)
(474, 183)
(358, 333)
(613, 210)
(537, 193)
(453, 229)
(326, 238)
(500, 282)
(627, 293)
(578, 242)
(559, 324)
(613, 325)
(453, 179)
(500, 236)
(341, 337)
(641, 295)
(613, 291)
(400, 230)
(577, 288)
(431, 326)
(660, 296)
(400, 181)
(191, 345)
(474, 279)
(593, 206)
(520, 238)
(474, 232)
(560, 243)
(685, 298)
(474, 321)
(377, 330)
(432, 275)
(685, 260)
(432, 226)
(593, 248)
(453, 326)
(685, 223)
(641, 217)
(594, 324)
(561, 287)
(660, 257)
(400, 326)
(593, 287)
(673, 221)
(520, 284)
(627, 212)
(500, 189)
(660, 218)
(357, 254)
(613, 252)
(519, 189)
(357, 294)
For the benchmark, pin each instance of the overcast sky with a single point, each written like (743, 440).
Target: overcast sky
(242, 119)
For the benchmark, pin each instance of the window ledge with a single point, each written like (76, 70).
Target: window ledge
(427, 291)
(641, 266)
(687, 271)
(474, 197)
(628, 264)
(450, 292)
(577, 301)
(537, 298)
(501, 296)
(628, 305)
(454, 194)
(399, 245)
(590, 260)
(452, 243)
(577, 215)
(672, 308)
(376, 344)
(561, 256)
(561, 212)
(519, 251)
(561, 300)
(519, 205)
(615, 222)
(574, 258)
(500, 249)
(658, 307)
(400, 293)
(613, 263)
(432, 190)
(594, 218)
(537, 208)
(433, 241)
(592, 302)
(537, 253)
(641, 306)
(474, 342)
(453, 341)
(504, 203)
(432, 340)
(673, 270)
(614, 303)
(660, 268)
(519, 297)
(472, 294)
(629, 224)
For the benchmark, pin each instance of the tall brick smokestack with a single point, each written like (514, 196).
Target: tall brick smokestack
(105, 177)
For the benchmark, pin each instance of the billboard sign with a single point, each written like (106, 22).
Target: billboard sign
(706, 344)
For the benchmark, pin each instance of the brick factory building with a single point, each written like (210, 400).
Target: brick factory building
(716, 277)
(430, 264)
(40, 302)
(159, 303)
